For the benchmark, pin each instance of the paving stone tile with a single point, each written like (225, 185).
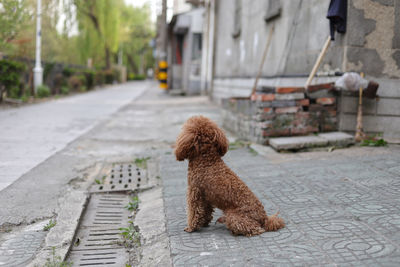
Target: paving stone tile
(339, 212)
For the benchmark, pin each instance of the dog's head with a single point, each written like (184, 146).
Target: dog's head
(200, 135)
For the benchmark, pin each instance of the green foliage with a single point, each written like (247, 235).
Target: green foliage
(14, 92)
(99, 78)
(134, 204)
(48, 67)
(136, 77)
(64, 90)
(89, 75)
(56, 261)
(142, 162)
(374, 142)
(10, 76)
(136, 33)
(75, 83)
(109, 76)
(50, 225)
(238, 144)
(43, 91)
(100, 181)
(68, 72)
(130, 234)
(14, 15)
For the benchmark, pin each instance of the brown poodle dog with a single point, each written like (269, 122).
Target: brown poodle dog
(211, 184)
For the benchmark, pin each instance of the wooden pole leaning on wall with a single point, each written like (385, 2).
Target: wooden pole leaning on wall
(318, 62)
(263, 58)
(359, 128)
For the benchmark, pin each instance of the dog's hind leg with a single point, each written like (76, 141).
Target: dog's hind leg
(242, 225)
(208, 211)
(199, 212)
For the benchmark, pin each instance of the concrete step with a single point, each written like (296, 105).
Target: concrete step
(294, 143)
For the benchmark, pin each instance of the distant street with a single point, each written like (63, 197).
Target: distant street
(31, 134)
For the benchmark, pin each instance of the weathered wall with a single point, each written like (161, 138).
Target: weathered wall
(371, 45)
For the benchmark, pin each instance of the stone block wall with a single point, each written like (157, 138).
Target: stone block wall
(282, 111)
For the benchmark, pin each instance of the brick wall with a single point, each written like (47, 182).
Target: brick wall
(282, 111)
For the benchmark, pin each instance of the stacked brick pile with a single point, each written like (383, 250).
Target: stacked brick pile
(282, 111)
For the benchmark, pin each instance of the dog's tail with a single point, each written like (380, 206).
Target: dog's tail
(273, 223)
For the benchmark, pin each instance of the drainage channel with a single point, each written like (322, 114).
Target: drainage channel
(98, 240)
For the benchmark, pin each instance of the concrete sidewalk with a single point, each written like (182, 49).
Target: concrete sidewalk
(341, 209)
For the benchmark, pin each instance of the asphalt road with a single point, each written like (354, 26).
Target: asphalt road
(31, 134)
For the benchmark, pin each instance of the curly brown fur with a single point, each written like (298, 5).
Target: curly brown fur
(211, 184)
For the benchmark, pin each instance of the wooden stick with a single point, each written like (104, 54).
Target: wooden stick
(263, 58)
(318, 62)
(359, 128)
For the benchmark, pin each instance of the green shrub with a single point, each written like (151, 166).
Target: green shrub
(74, 83)
(68, 72)
(139, 77)
(25, 98)
(48, 67)
(99, 78)
(82, 78)
(136, 77)
(43, 91)
(64, 90)
(10, 76)
(109, 76)
(89, 75)
(14, 92)
(83, 89)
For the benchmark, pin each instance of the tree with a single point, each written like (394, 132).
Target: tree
(13, 17)
(99, 23)
(136, 33)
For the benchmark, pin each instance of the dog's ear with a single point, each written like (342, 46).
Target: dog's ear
(221, 142)
(185, 145)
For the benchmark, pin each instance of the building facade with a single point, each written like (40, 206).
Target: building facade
(235, 34)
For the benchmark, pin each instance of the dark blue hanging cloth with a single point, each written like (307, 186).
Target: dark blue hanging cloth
(337, 15)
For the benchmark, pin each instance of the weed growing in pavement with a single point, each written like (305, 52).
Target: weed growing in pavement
(374, 142)
(130, 234)
(238, 144)
(98, 181)
(56, 261)
(253, 151)
(241, 144)
(142, 162)
(50, 225)
(134, 204)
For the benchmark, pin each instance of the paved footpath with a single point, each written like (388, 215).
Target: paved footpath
(341, 209)
(31, 134)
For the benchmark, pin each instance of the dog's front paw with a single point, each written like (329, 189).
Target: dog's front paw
(188, 229)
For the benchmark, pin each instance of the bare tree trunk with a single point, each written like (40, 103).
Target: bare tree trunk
(108, 63)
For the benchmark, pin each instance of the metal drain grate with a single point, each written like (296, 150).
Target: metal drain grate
(123, 177)
(97, 241)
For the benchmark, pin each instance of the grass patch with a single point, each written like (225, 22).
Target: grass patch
(56, 261)
(142, 162)
(49, 225)
(253, 151)
(238, 144)
(134, 204)
(130, 234)
(374, 142)
(100, 181)
(242, 144)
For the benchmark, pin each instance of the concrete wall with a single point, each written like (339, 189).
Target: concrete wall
(371, 45)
